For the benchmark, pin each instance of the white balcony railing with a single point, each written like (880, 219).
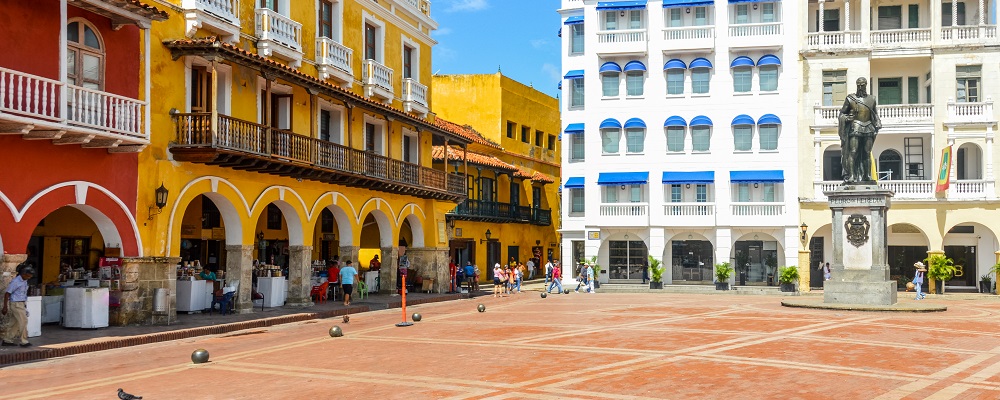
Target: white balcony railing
(971, 189)
(278, 28)
(40, 98)
(332, 54)
(822, 40)
(758, 209)
(224, 9)
(758, 29)
(624, 210)
(413, 91)
(969, 34)
(688, 209)
(689, 33)
(978, 112)
(622, 36)
(889, 113)
(901, 37)
(905, 190)
(377, 76)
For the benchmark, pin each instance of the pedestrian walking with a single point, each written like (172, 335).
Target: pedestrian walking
(531, 269)
(498, 280)
(590, 278)
(918, 279)
(548, 271)
(518, 277)
(582, 278)
(348, 275)
(556, 281)
(475, 278)
(15, 309)
(826, 272)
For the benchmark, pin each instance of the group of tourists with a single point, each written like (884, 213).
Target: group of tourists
(507, 279)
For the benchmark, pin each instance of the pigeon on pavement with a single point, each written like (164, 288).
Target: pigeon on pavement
(126, 396)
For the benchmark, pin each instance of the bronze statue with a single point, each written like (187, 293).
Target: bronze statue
(858, 124)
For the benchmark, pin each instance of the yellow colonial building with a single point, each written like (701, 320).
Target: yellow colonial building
(512, 209)
(289, 133)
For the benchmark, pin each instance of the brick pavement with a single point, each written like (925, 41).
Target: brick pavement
(621, 346)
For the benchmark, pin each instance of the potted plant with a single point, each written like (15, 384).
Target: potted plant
(655, 273)
(985, 284)
(995, 271)
(940, 268)
(722, 273)
(742, 266)
(770, 264)
(787, 276)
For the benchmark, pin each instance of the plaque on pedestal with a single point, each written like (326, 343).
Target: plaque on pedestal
(860, 271)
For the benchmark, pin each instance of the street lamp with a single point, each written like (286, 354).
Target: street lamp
(804, 228)
(488, 236)
(160, 201)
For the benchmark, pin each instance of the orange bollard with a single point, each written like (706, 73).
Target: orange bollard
(404, 323)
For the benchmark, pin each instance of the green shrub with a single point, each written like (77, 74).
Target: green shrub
(940, 268)
(655, 270)
(789, 274)
(723, 271)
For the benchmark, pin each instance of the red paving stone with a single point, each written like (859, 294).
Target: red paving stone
(622, 346)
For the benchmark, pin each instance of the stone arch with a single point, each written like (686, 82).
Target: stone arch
(343, 212)
(832, 169)
(226, 197)
(982, 237)
(604, 253)
(906, 234)
(414, 215)
(704, 263)
(759, 257)
(385, 228)
(293, 220)
(969, 162)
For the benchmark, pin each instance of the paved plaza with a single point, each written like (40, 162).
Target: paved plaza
(623, 346)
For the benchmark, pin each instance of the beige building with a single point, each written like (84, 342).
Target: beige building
(932, 66)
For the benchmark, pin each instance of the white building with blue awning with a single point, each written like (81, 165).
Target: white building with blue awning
(726, 153)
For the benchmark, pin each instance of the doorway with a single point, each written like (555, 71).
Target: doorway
(965, 265)
(816, 256)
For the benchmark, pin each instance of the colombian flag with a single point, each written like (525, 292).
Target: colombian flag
(944, 172)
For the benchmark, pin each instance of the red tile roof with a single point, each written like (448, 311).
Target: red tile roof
(466, 131)
(542, 178)
(455, 154)
(132, 6)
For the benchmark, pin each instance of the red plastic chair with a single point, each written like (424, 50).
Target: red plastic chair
(319, 293)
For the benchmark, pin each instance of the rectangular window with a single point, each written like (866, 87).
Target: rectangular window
(890, 17)
(273, 217)
(511, 128)
(675, 139)
(487, 189)
(552, 142)
(610, 85)
(675, 17)
(701, 193)
(370, 133)
(913, 11)
(675, 194)
(767, 12)
(768, 136)
(912, 90)
(515, 194)
(768, 189)
(700, 137)
(201, 88)
(768, 76)
(576, 39)
(742, 79)
(577, 152)
(700, 16)
(407, 143)
(834, 86)
(743, 137)
(270, 5)
(635, 19)
(538, 138)
(634, 83)
(946, 14)
(635, 140)
(326, 19)
(831, 20)
(675, 81)
(968, 83)
(742, 14)
(407, 62)
(371, 33)
(611, 194)
(610, 20)
(700, 80)
(635, 193)
(576, 99)
(324, 125)
(526, 134)
(610, 140)
(742, 192)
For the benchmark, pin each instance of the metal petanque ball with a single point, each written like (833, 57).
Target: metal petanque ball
(544, 295)
(565, 291)
(416, 317)
(336, 331)
(199, 356)
(481, 308)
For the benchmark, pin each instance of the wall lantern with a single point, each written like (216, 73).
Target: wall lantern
(160, 201)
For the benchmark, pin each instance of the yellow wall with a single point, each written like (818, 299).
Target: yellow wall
(70, 223)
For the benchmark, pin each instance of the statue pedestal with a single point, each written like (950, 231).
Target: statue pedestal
(860, 271)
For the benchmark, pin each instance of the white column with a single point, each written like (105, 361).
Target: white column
(723, 246)
(847, 15)
(866, 20)
(657, 245)
(954, 14)
(982, 13)
(146, 71)
(822, 9)
(818, 157)
(953, 175)
(63, 93)
(989, 153)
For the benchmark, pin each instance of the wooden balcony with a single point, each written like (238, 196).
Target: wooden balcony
(232, 143)
(494, 211)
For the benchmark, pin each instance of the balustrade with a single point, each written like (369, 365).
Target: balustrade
(622, 36)
(758, 209)
(225, 9)
(624, 210)
(279, 28)
(895, 37)
(757, 29)
(333, 54)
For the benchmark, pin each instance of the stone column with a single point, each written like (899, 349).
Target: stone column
(239, 268)
(822, 9)
(387, 276)
(847, 16)
(866, 20)
(431, 263)
(141, 277)
(8, 269)
(299, 274)
(350, 253)
(804, 270)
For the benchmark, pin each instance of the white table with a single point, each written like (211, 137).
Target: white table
(273, 289)
(51, 309)
(371, 279)
(190, 296)
(86, 308)
(34, 305)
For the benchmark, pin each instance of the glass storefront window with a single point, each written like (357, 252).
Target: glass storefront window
(627, 259)
(692, 261)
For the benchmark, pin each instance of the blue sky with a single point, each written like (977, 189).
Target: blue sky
(519, 36)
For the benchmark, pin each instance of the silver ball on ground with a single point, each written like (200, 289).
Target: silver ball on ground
(481, 308)
(416, 317)
(199, 356)
(565, 291)
(336, 331)
(544, 295)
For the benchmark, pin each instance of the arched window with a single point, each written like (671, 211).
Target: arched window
(968, 162)
(701, 133)
(610, 81)
(635, 136)
(635, 76)
(890, 165)
(84, 55)
(742, 68)
(743, 132)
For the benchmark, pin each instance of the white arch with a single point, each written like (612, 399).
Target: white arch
(230, 219)
(292, 220)
(923, 235)
(416, 229)
(104, 224)
(338, 199)
(410, 209)
(385, 227)
(379, 205)
(282, 190)
(222, 202)
(81, 188)
(344, 227)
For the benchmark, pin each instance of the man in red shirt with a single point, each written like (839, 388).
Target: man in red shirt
(556, 280)
(452, 269)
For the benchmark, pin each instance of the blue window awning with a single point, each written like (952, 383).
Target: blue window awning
(769, 119)
(749, 1)
(575, 182)
(611, 123)
(674, 121)
(701, 63)
(697, 177)
(635, 123)
(686, 3)
(623, 178)
(610, 67)
(674, 64)
(769, 59)
(574, 20)
(574, 74)
(635, 66)
(741, 61)
(574, 128)
(621, 5)
(701, 120)
(743, 119)
(757, 176)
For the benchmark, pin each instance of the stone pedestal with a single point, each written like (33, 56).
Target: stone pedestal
(859, 271)
(141, 276)
(431, 263)
(299, 274)
(239, 265)
(390, 268)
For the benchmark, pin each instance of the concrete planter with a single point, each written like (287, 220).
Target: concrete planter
(787, 287)
(656, 285)
(722, 286)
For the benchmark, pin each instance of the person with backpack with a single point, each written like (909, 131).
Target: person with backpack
(548, 271)
(582, 278)
(556, 281)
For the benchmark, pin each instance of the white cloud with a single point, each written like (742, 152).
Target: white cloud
(442, 32)
(552, 71)
(539, 43)
(468, 5)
